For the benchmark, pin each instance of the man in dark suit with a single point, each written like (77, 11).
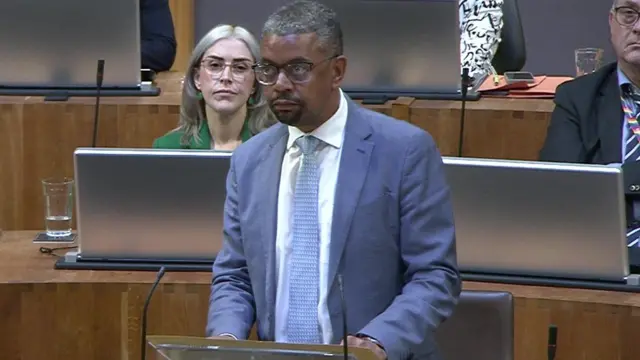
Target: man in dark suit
(594, 118)
(158, 41)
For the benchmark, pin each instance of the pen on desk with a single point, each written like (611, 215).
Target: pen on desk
(494, 73)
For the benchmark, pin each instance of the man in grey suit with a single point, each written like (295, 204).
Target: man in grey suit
(332, 194)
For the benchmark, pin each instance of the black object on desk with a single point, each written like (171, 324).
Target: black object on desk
(551, 282)
(43, 238)
(62, 264)
(63, 94)
(634, 259)
(381, 96)
(631, 175)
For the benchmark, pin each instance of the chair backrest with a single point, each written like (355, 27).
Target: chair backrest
(512, 53)
(481, 328)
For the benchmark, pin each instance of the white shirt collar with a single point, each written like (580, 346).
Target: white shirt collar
(331, 132)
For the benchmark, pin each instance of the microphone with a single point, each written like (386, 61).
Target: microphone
(99, 78)
(145, 310)
(551, 342)
(464, 86)
(345, 347)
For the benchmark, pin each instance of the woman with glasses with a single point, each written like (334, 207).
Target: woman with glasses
(222, 103)
(480, 29)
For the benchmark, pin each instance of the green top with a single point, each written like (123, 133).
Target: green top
(172, 139)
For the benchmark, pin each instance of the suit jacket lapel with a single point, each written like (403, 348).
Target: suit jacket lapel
(267, 176)
(610, 118)
(353, 169)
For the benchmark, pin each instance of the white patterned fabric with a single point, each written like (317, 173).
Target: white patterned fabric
(480, 28)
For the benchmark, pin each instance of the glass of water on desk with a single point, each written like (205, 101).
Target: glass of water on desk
(58, 206)
(588, 60)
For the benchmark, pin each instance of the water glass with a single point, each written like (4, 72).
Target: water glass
(588, 60)
(58, 206)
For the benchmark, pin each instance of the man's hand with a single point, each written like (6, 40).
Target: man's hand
(363, 342)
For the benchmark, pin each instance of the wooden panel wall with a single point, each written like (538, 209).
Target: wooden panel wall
(101, 321)
(183, 22)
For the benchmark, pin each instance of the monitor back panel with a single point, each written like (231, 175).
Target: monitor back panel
(539, 219)
(406, 45)
(57, 44)
(150, 204)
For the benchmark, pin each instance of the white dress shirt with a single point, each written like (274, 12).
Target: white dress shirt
(331, 134)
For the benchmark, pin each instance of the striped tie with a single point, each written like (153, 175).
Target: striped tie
(631, 102)
(633, 236)
(632, 153)
(632, 146)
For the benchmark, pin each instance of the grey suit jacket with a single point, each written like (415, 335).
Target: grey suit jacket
(393, 237)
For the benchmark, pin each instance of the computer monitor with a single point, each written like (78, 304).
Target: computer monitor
(150, 205)
(401, 48)
(528, 218)
(54, 47)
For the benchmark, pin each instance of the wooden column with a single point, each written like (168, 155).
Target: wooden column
(183, 21)
(401, 108)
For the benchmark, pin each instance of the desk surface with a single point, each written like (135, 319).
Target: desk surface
(171, 84)
(21, 262)
(65, 314)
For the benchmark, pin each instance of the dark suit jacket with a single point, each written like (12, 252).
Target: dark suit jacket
(586, 124)
(158, 40)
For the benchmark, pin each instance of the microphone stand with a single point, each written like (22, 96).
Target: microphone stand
(145, 311)
(464, 87)
(345, 347)
(99, 79)
(551, 342)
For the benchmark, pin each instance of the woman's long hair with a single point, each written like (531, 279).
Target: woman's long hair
(192, 109)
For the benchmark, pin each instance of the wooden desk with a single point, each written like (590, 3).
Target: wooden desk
(56, 314)
(37, 138)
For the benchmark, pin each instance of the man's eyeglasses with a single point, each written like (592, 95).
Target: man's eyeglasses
(626, 16)
(215, 68)
(297, 72)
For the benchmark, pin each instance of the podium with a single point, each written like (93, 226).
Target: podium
(195, 348)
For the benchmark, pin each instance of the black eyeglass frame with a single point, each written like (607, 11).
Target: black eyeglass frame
(288, 70)
(617, 13)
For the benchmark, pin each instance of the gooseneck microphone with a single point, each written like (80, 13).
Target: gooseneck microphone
(96, 115)
(551, 342)
(145, 311)
(464, 87)
(345, 347)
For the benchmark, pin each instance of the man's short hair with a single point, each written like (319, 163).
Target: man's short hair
(305, 17)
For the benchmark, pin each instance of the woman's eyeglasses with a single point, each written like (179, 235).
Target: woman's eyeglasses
(216, 67)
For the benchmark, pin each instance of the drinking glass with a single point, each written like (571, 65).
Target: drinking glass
(58, 206)
(588, 60)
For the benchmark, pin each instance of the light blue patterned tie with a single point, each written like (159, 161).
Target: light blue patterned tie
(302, 321)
